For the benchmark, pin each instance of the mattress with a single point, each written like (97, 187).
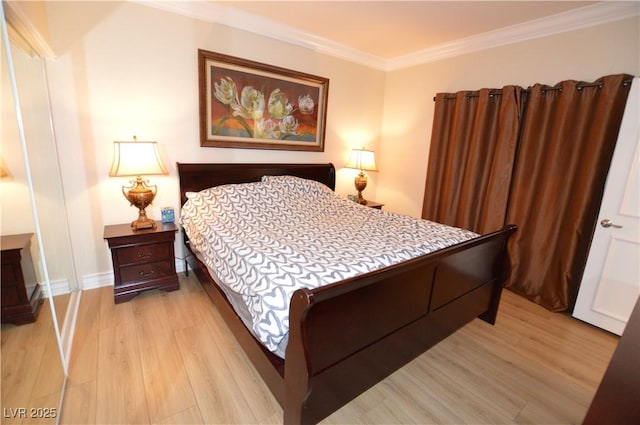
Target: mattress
(262, 241)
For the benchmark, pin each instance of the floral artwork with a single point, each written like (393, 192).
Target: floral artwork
(251, 105)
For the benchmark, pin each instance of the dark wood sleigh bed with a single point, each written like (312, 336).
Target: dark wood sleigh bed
(347, 336)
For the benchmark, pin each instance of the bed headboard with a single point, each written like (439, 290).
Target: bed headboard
(197, 177)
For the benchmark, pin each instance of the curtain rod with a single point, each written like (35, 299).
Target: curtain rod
(498, 92)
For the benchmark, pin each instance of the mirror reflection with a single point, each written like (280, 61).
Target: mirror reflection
(30, 73)
(38, 274)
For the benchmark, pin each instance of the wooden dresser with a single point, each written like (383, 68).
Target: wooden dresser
(21, 293)
(617, 400)
(142, 259)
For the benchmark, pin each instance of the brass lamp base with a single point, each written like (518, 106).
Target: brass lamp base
(140, 194)
(143, 222)
(361, 184)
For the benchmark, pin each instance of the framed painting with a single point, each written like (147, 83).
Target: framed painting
(246, 104)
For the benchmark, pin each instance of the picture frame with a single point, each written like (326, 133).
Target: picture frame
(251, 105)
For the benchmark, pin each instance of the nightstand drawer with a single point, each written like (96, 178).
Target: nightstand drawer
(147, 271)
(144, 253)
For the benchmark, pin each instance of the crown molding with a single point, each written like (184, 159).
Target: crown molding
(23, 33)
(218, 13)
(588, 16)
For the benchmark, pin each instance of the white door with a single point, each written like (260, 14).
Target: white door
(611, 281)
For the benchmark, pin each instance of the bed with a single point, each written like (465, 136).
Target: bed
(346, 336)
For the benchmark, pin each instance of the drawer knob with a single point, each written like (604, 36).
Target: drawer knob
(149, 273)
(142, 256)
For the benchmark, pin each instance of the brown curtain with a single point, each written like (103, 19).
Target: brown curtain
(568, 136)
(473, 145)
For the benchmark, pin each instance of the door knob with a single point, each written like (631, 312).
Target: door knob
(607, 223)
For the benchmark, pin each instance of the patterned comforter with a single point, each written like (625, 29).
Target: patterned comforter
(264, 240)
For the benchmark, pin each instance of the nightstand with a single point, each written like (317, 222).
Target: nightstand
(21, 294)
(142, 259)
(375, 205)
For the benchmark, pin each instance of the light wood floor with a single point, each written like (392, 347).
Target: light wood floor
(32, 371)
(168, 358)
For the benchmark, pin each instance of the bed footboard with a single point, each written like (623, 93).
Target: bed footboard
(346, 337)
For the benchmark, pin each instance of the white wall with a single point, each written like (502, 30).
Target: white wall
(124, 69)
(408, 102)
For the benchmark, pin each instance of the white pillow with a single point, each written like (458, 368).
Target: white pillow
(297, 184)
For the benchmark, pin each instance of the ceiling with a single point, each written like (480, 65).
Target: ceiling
(391, 34)
(389, 29)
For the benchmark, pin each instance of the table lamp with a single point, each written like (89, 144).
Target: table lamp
(138, 159)
(363, 160)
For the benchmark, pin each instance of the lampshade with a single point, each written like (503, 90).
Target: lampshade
(136, 159)
(362, 159)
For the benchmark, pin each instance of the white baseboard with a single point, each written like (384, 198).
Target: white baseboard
(59, 287)
(97, 280)
(180, 265)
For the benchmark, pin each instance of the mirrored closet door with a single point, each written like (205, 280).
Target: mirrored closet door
(37, 255)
